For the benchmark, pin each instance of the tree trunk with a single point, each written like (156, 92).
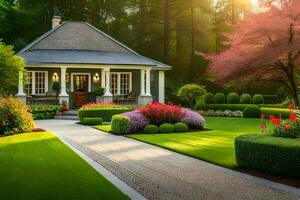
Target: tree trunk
(193, 32)
(167, 32)
(232, 11)
(141, 26)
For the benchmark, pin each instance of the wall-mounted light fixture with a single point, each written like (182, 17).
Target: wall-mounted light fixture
(96, 77)
(55, 77)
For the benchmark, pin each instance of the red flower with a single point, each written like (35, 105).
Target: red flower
(293, 117)
(276, 121)
(271, 117)
(286, 127)
(291, 106)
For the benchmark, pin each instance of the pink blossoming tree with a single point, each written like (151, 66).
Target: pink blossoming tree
(265, 46)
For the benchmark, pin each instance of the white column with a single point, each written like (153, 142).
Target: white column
(102, 78)
(148, 82)
(107, 82)
(142, 82)
(63, 92)
(20, 85)
(161, 86)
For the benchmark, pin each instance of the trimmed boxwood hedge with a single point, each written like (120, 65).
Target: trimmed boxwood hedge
(269, 154)
(233, 98)
(219, 98)
(151, 129)
(252, 112)
(223, 107)
(120, 125)
(92, 121)
(105, 113)
(285, 113)
(208, 98)
(166, 128)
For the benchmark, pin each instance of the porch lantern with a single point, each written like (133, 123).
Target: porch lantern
(55, 77)
(96, 77)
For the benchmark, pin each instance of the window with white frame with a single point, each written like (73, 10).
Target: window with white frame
(37, 82)
(121, 83)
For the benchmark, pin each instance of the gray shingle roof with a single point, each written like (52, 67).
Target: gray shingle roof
(82, 43)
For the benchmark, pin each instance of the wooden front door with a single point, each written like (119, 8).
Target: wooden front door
(81, 95)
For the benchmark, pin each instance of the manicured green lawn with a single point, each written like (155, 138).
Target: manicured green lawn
(39, 166)
(215, 146)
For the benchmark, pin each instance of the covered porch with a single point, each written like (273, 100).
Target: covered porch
(129, 85)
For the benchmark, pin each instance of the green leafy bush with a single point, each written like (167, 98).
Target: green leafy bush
(92, 121)
(104, 113)
(269, 154)
(166, 128)
(252, 112)
(43, 112)
(246, 99)
(258, 99)
(219, 98)
(14, 117)
(56, 87)
(99, 91)
(181, 127)
(233, 98)
(208, 98)
(151, 129)
(223, 107)
(190, 93)
(120, 125)
(276, 112)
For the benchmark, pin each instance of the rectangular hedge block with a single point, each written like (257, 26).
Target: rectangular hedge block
(104, 113)
(92, 121)
(269, 154)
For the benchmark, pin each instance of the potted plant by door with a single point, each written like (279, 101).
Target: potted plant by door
(99, 91)
(65, 106)
(56, 88)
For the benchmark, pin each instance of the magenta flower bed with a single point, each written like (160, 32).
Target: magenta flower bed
(193, 119)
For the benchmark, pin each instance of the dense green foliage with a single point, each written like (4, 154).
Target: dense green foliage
(208, 98)
(252, 111)
(43, 112)
(181, 127)
(14, 117)
(258, 99)
(166, 128)
(92, 121)
(191, 93)
(151, 129)
(233, 98)
(246, 99)
(99, 91)
(10, 65)
(56, 87)
(269, 154)
(215, 146)
(39, 166)
(219, 98)
(120, 125)
(105, 113)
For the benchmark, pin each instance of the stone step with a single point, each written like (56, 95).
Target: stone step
(70, 113)
(67, 117)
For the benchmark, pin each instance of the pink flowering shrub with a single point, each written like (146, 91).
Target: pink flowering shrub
(137, 121)
(193, 119)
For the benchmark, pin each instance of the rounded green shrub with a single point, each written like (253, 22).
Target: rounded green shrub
(120, 125)
(233, 98)
(166, 128)
(208, 98)
(181, 127)
(258, 99)
(246, 99)
(151, 129)
(190, 93)
(219, 98)
(252, 111)
(14, 117)
(92, 121)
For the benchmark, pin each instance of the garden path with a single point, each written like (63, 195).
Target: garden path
(157, 173)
